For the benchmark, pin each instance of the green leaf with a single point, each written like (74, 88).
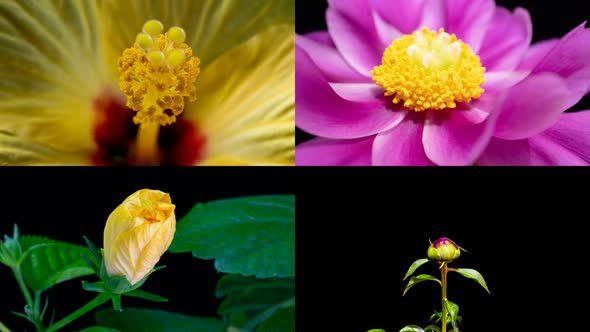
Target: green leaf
(415, 266)
(47, 262)
(282, 321)
(432, 328)
(147, 320)
(249, 301)
(376, 330)
(412, 328)
(98, 329)
(473, 274)
(253, 236)
(453, 310)
(418, 279)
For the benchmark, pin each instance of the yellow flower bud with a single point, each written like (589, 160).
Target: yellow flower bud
(137, 234)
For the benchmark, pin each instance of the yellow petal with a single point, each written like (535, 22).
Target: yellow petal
(246, 100)
(212, 26)
(237, 161)
(51, 68)
(18, 151)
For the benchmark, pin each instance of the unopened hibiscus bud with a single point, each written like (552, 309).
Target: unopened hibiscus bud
(443, 250)
(137, 234)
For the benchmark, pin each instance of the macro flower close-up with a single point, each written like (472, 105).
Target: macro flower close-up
(105, 82)
(440, 82)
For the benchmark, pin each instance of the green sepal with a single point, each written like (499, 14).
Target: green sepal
(146, 296)
(98, 287)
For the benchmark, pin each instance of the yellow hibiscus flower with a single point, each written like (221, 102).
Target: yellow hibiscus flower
(60, 95)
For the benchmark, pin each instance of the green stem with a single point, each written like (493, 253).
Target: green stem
(30, 303)
(443, 278)
(23, 287)
(3, 328)
(100, 299)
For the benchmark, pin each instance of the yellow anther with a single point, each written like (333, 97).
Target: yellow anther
(175, 58)
(144, 40)
(158, 79)
(153, 27)
(430, 70)
(156, 57)
(177, 35)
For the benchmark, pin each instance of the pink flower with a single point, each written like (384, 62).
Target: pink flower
(385, 85)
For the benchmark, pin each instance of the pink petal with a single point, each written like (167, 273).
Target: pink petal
(401, 145)
(329, 61)
(452, 138)
(501, 152)
(321, 112)
(328, 152)
(570, 59)
(507, 39)
(361, 92)
(536, 53)
(469, 20)
(404, 15)
(434, 15)
(322, 37)
(566, 143)
(532, 106)
(351, 26)
(501, 80)
(387, 33)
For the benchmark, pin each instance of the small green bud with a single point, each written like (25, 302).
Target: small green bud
(10, 249)
(443, 250)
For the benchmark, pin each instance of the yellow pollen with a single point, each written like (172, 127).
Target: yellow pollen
(157, 73)
(430, 70)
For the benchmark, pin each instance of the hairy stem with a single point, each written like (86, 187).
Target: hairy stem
(3, 328)
(97, 301)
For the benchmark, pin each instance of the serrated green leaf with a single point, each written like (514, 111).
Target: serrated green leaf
(473, 274)
(282, 321)
(249, 301)
(147, 320)
(417, 279)
(48, 262)
(415, 266)
(99, 329)
(253, 236)
(412, 328)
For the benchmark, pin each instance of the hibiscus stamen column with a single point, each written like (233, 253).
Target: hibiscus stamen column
(156, 75)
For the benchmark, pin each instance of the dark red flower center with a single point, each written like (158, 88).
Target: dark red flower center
(180, 143)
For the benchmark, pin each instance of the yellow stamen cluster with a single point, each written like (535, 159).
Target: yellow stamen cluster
(430, 70)
(157, 73)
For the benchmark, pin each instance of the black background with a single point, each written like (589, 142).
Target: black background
(551, 19)
(67, 203)
(359, 229)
